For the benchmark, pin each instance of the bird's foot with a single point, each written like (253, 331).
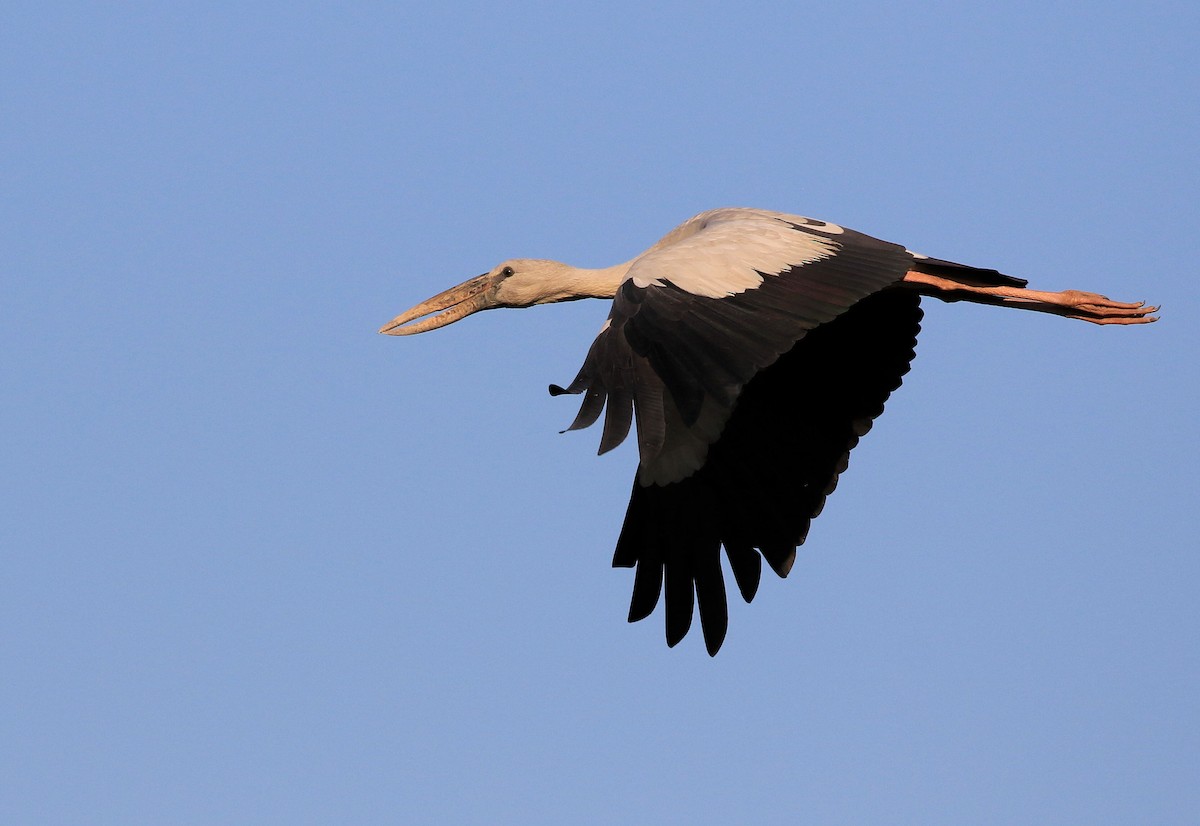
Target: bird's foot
(1100, 309)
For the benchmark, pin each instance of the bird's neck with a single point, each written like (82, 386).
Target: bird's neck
(578, 282)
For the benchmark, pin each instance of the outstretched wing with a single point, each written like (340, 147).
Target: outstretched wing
(767, 476)
(753, 349)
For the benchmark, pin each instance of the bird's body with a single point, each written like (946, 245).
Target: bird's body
(753, 349)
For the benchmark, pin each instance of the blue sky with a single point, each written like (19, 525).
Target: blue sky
(263, 565)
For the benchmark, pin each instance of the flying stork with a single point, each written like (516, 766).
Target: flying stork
(753, 349)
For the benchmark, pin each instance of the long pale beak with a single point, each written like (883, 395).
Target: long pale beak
(455, 303)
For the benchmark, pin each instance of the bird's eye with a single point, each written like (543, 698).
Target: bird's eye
(506, 272)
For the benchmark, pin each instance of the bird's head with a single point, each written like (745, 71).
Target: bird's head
(518, 282)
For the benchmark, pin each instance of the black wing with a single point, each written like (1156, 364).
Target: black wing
(738, 446)
(768, 474)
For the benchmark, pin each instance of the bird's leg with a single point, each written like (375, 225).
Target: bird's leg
(1092, 307)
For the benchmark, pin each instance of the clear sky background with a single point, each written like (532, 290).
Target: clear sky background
(263, 565)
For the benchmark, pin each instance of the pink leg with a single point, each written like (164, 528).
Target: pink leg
(1091, 307)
